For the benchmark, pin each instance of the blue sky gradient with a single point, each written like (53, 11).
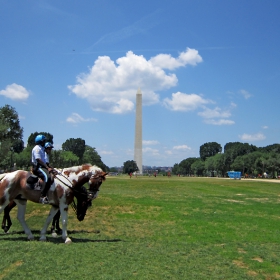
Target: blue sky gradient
(209, 71)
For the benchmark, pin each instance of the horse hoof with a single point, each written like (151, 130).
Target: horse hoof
(68, 240)
(43, 239)
(6, 229)
(31, 238)
(54, 234)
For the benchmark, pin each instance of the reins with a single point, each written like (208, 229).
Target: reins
(73, 203)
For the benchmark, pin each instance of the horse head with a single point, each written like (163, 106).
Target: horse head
(79, 175)
(95, 182)
(83, 203)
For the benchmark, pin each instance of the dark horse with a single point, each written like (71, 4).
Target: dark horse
(66, 186)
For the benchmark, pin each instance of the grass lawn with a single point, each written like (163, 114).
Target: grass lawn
(157, 228)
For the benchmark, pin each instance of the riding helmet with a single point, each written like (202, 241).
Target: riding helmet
(39, 139)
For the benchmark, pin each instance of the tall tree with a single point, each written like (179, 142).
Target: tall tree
(185, 165)
(76, 146)
(209, 149)
(31, 138)
(11, 134)
(91, 156)
(130, 166)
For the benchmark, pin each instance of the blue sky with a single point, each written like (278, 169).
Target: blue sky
(209, 71)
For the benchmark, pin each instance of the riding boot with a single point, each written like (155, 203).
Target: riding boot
(43, 199)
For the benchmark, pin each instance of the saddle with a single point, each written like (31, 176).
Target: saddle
(35, 183)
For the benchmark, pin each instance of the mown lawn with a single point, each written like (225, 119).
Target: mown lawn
(157, 228)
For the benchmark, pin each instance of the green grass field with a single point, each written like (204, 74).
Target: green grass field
(157, 228)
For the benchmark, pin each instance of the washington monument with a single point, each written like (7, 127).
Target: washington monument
(138, 132)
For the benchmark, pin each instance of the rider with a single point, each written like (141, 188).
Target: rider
(48, 149)
(40, 168)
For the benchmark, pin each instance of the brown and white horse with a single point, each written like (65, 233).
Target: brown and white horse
(67, 185)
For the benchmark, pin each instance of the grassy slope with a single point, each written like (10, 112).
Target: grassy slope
(157, 228)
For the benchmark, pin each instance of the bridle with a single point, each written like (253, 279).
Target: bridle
(90, 194)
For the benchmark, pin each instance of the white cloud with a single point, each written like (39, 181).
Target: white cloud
(252, 137)
(181, 147)
(103, 152)
(15, 92)
(245, 93)
(166, 61)
(265, 127)
(185, 102)
(151, 152)
(111, 87)
(217, 116)
(76, 118)
(150, 142)
(214, 113)
(219, 122)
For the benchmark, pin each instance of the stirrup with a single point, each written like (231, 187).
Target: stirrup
(44, 200)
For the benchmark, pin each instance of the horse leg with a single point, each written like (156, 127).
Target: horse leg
(55, 229)
(47, 223)
(6, 223)
(21, 217)
(64, 220)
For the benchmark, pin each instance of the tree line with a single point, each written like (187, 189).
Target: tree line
(13, 152)
(237, 156)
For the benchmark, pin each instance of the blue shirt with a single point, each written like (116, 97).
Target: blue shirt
(38, 152)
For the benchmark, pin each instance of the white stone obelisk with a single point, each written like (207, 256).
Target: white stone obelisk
(138, 132)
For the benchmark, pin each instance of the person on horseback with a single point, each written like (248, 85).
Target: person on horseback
(40, 168)
(48, 149)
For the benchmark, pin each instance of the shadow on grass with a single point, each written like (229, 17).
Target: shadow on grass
(58, 239)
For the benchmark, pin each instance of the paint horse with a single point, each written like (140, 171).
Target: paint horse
(96, 182)
(67, 185)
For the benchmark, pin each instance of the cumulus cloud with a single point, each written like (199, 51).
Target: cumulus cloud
(166, 61)
(15, 92)
(76, 118)
(217, 116)
(150, 142)
(184, 102)
(111, 87)
(252, 137)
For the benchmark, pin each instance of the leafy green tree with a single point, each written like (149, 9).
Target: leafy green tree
(209, 165)
(220, 164)
(31, 138)
(198, 167)
(75, 145)
(11, 134)
(234, 149)
(185, 165)
(176, 169)
(23, 159)
(273, 164)
(209, 149)
(130, 166)
(91, 156)
(62, 159)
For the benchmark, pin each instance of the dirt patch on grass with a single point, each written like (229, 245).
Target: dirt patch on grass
(234, 201)
(10, 268)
